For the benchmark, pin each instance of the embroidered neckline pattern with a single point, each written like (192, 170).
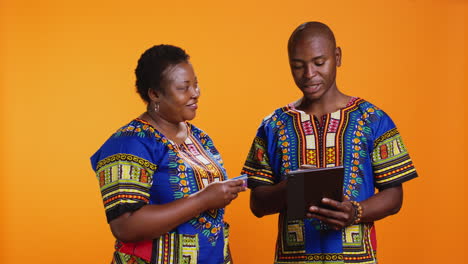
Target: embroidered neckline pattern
(199, 158)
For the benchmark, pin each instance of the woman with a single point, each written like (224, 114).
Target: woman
(162, 180)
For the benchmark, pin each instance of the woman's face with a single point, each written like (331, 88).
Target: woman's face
(178, 100)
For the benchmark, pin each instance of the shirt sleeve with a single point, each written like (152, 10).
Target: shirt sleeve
(257, 165)
(125, 174)
(391, 162)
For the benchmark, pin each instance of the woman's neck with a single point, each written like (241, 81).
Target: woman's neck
(175, 131)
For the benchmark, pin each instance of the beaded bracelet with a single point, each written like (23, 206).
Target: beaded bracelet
(357, 212)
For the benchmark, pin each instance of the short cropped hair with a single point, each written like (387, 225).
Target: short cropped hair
(152, 64)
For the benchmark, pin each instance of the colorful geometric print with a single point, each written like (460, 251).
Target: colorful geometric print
(357, 138)
(359, 244)
(311, 258)
(227, 251)
(189, 249)
(285, 145)
(122, 258)
(210, 224)
(205, 171)
(289, 138)
(126, 157)
(192, 167)
(124, 180)
(296, 233)
(140, 128)
(306, 141)
(292, 239)
(167, 249)
(143, 129)
(207, 143)
(179, 177)
(138, 165)
(390, 159)
(314, 258)
(258, 171)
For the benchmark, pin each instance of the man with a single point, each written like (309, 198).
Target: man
(326, 128)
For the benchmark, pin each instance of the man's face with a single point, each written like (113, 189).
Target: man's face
(313, 61)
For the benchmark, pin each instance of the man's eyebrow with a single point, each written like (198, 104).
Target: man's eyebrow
(314, 58)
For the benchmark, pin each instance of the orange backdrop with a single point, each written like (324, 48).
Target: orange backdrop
(67, 83)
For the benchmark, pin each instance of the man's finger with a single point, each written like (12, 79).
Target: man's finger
(327, 213)
(333, 223)
(333, 203)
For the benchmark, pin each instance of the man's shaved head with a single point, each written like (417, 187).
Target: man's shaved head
(314, 58)
(309, 30)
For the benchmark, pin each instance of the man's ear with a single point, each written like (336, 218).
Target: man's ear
(338, 56)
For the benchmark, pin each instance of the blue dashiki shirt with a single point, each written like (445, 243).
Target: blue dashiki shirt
(360, 137)
(137, 166)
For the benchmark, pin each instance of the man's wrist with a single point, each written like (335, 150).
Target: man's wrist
(357, 212)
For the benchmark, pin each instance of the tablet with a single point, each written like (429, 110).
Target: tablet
(307, 187)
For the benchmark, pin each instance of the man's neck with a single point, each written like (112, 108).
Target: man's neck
(326, 104)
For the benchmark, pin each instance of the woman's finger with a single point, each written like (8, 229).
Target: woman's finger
(233, 183)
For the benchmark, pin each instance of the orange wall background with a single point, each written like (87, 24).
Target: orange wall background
(67, 83)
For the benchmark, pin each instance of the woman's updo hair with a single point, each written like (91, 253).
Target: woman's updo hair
(152, 64)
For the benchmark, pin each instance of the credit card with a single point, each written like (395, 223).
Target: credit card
(241, 177)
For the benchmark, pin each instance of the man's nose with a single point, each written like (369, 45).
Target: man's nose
(310, 71)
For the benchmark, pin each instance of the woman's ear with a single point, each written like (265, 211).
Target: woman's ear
(153, 95)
